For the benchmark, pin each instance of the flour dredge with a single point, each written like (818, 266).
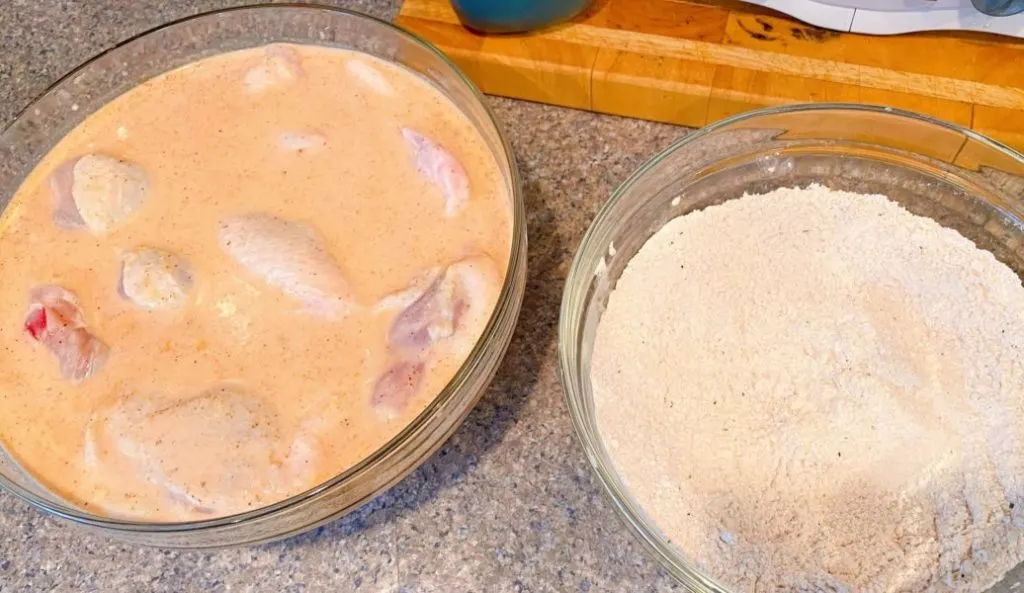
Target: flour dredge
(817, 391)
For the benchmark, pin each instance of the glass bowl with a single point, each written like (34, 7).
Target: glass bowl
(110, 74)
(936, 169)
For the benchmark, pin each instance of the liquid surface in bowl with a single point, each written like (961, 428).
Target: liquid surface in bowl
(241, 278)
(813, 390)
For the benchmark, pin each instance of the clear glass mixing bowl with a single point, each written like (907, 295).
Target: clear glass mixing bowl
(89, 87)
(936, 169)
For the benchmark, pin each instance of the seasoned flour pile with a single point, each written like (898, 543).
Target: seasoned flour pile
(818, 391)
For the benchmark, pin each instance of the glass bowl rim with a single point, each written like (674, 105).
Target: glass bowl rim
(578, 278)
(446, 395)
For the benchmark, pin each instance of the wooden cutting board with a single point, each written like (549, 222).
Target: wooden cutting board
(692, 62)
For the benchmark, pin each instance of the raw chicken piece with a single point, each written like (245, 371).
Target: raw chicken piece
(402, 299)
(429, 318)
(55, 320)
(301, 142)
(396, 387)
(459, 300)
(281, 65)
(65, 212)
(97, 192)
(290, 256)
(155, 279)
(370, 77)
(219, 452)
(441, 168)
(480, 283)
(446, 307)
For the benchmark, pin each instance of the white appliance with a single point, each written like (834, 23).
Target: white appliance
(888, 17)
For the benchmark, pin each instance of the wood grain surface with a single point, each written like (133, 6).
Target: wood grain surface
(692, 62)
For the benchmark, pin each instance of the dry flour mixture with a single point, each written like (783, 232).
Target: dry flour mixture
(817, 391)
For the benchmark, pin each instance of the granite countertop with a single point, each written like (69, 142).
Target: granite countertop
(508, 504)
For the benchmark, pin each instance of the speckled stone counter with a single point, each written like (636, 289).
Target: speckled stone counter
(508, 504)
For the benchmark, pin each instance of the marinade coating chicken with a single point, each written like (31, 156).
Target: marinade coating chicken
(431, 316)
(55, 320)
(289, 256)
(439, 167)
(246, 251)
(370, 77)
(219, 452)
(280, 66)
(458, 299)
(399, 383)
(450, 311)
(301, 142)
(155, 279)
(97, 192)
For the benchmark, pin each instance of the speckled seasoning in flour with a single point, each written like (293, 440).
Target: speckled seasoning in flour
(813, 390)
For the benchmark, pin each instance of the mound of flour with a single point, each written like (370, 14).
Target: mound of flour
(818, 391)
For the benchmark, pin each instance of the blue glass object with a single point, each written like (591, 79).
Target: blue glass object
(999, 7)
(515, 16)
